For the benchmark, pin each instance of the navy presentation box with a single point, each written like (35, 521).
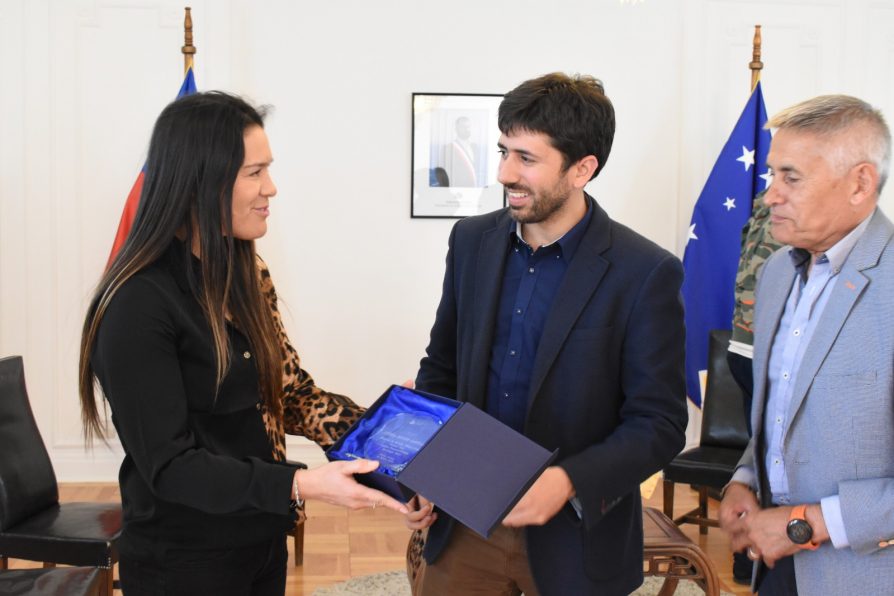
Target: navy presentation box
(474, 467)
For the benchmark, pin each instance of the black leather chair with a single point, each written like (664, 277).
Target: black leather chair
(33, 524)
(70, 581)
(723, 439)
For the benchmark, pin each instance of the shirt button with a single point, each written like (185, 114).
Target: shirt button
(776, 461)
(796, 332)
(785, 375)
(505, 395)
(512, 352)
(778, 420)
(531, 270)
(518, 311)
(246, 355)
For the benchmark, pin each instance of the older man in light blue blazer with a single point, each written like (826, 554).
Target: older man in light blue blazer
(813, 497)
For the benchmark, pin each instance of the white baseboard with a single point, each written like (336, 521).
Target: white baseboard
(76, 464)
(305, 452)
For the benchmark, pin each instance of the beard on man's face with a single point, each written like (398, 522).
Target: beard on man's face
(540, 206)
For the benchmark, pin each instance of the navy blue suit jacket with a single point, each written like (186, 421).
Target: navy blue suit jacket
(607, 388)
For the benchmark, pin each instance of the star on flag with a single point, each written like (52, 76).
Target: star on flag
(747, 157)
(729, 203)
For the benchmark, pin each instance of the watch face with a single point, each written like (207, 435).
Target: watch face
(799, 531)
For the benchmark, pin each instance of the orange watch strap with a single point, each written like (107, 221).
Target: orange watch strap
(800, 512)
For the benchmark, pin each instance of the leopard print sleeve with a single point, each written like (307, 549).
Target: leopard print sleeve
(308, 410)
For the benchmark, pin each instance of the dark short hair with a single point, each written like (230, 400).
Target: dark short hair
(573, 112)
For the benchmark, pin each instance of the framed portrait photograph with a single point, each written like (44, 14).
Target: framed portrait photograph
(455, 159)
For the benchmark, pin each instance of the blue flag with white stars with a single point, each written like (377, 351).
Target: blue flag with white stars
(715, 233)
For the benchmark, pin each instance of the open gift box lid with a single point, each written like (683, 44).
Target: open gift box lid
(474, 467)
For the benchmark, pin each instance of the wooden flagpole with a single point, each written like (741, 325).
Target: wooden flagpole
(756, 65)
(188, 49)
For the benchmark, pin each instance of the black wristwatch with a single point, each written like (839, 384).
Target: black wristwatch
(799, 530)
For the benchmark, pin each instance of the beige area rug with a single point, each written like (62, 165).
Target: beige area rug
(394, 583)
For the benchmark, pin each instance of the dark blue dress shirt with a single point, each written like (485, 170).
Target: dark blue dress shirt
(530, 282)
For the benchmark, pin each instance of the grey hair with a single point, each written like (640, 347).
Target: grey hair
(829, 115)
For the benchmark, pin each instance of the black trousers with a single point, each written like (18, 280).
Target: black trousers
(779, 581)
(258, 570)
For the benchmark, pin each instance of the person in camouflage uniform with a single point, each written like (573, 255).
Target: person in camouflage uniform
(757, 246)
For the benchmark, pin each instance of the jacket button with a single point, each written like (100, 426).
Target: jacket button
(258, 406)
(246, 355)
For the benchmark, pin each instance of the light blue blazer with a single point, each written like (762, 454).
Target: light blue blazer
(840, 438)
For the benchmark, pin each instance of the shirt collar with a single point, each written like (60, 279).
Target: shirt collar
(568, 242)
(837, 254)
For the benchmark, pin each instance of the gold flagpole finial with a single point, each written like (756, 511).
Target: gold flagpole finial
(756, 65)
(188, 49)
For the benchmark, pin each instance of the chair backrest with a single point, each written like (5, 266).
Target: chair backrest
(27, 480)
(723, 414)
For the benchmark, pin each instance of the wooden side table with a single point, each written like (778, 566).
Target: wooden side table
(669, 553)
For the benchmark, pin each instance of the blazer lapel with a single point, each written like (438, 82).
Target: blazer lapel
(851, 283)
(774, 295)
(774, 287)
(585, 271)
(488, 282)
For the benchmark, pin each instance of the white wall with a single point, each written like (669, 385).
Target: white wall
(83, 81)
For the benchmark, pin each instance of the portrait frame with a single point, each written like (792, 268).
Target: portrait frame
(454, 155)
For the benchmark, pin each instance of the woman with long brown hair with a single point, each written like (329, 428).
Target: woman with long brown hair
(184, 339)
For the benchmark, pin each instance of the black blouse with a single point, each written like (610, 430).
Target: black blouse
(198, 470)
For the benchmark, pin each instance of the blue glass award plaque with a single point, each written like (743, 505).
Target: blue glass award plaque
(398, 440)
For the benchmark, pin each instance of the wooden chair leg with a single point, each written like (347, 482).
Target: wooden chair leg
(669, 587)
(298, 542)
(108, 581)
(668, 499)
(703, 508)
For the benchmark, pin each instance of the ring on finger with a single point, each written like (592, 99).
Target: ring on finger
(753, 555)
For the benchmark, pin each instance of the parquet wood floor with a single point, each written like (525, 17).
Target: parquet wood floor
(340, 544)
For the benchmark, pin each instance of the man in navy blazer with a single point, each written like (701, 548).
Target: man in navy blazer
(813, 497)
(568, 327)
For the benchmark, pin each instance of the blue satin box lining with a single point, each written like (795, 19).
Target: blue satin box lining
(397, 400)
(473, 466)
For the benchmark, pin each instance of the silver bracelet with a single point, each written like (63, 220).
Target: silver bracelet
(297, 502)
